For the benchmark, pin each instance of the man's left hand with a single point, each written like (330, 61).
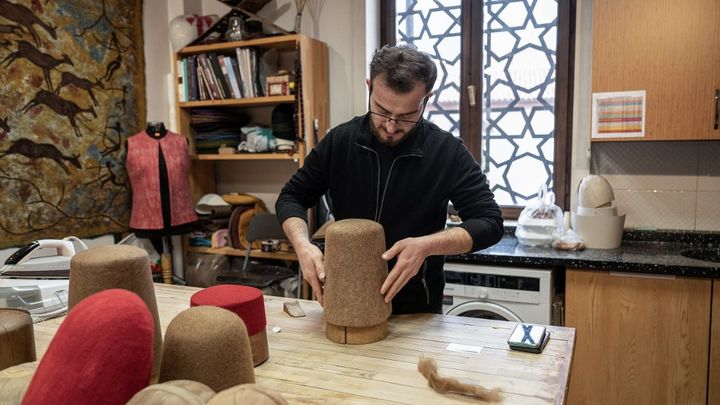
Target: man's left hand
(411, 253)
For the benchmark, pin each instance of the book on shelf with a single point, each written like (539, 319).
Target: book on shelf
(192, 78)
(181, 80)
(209, 77)
(203, 84)
(218, 75)
(231, 76)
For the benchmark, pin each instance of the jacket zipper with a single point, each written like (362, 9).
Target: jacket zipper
(377, 195)
(387, 181)
(424, 283)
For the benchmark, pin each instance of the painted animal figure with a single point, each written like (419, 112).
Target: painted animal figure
(10, 29)
(60, 106)
(26, 18)
(68, 78)
(4, 126)
(43, 60)
(32, 150)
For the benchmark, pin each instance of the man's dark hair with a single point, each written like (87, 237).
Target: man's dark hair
(402, 66)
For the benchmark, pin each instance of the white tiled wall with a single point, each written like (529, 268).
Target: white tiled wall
(663, 185)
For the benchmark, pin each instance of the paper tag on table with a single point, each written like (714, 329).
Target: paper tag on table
(455, 347)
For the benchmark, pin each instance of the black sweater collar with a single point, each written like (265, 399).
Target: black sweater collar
(412, 145)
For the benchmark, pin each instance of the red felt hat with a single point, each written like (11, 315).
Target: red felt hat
(248, 304)
(101, 354)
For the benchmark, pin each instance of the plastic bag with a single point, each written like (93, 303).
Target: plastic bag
(541, 221)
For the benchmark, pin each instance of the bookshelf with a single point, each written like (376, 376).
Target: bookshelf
(310, 100)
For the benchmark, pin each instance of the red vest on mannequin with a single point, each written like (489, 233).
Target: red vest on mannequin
(143, 168)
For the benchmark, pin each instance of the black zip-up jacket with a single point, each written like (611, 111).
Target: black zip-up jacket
(430, 167)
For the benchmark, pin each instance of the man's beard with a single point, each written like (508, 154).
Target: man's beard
(397, 136)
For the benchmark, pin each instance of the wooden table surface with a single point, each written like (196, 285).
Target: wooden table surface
(306, 367)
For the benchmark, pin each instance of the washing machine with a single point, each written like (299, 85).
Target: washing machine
(495, 292)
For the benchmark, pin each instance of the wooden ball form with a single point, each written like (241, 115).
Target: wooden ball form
(247, 394)
(355, 311)
(176, 392)
(14, 381)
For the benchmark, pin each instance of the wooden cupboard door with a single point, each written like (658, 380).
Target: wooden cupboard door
(714, 375)
(639, 339)
(668, 48)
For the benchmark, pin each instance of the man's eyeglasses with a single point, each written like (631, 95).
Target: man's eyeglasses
(401, 122)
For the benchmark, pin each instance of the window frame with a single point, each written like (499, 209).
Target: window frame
(471, 117)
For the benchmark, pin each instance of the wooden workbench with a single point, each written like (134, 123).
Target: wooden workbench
(308, 368)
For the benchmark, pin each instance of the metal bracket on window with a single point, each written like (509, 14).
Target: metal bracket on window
(471, 95)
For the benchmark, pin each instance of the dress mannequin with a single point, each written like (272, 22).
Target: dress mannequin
(158, 167)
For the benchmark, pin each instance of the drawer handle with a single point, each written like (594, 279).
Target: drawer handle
(717, 108)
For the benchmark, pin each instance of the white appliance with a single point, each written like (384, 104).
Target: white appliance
(493, 292)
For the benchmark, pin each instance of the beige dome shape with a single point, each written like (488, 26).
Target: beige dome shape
(209, 345)
(247, 394)
(355, 311)
(116, 266)
(176, 392)
(14, 382)
(595, 191)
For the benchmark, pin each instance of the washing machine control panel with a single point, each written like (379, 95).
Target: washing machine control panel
(493, 287)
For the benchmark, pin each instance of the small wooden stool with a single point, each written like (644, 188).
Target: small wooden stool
(247, 303)
(209, 345)
(355, 311)
(17, 340)
(116, 266)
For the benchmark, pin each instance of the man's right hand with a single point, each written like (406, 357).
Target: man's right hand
(313, 269)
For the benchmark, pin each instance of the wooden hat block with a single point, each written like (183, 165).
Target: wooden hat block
(17, 339)
(116, 266)
(355, 311)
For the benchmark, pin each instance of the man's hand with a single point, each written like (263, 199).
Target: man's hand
(410, 252)
(309, 255)
(313, 269)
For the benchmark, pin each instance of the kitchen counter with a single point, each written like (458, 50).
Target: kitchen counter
(638, 253)
(306, 367)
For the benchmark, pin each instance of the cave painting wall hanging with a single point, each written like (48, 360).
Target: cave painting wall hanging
(72, 89)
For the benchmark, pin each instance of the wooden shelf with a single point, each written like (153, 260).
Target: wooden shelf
(278, 42)
(249, 156)
(255, 253)
(240, 102)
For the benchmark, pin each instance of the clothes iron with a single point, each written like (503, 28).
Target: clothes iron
(36, 259)
(21, 278)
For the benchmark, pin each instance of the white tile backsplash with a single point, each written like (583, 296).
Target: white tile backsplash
(657, 210)
(649, 182)
(708, 211)
(663, 185)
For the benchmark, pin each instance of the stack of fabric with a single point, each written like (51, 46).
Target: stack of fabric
(215, 128)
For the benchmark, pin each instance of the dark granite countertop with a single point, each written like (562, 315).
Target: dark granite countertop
(640, 252)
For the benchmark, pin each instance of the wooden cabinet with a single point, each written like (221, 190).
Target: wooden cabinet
(671, 50)
(311, 103)
(639, 339)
